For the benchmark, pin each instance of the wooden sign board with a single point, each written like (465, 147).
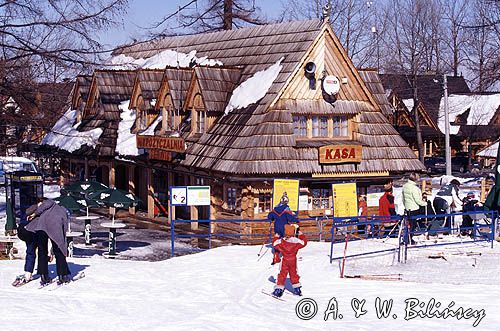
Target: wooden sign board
(174, 144)
(340, 154)
(159, 154)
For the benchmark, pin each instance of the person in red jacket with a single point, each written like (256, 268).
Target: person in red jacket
(289, 245)
(386, 207)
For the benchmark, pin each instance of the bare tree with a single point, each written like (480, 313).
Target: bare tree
(455, 14)
(355, 22)
(483, 35)
(45, 40)
(212, 15)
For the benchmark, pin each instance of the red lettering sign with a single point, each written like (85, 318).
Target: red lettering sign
(340, 153)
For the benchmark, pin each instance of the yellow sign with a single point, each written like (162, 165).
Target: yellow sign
(288, 188)
(345, 200)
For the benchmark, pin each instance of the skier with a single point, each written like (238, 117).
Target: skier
(289, 245)
(51, 221)
(281, 215)
(31, 246)
(448, 201)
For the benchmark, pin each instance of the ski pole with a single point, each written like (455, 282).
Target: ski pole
(345, 252)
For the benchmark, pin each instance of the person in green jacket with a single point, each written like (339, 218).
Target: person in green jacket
(412, 201)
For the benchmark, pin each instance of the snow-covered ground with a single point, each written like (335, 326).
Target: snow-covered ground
(220, 289)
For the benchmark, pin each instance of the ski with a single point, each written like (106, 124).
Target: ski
(74, 279)
(272, 296)
(388, 277)
(52, 281)
(21, 281)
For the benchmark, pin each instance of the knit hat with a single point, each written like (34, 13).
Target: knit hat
(284, 199)
(289, 230)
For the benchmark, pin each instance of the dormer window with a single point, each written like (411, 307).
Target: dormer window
(200, 123)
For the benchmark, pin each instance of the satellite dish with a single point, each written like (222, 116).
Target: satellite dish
(331, 85)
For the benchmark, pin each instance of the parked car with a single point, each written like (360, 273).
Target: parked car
(15, 163)
(435, 164)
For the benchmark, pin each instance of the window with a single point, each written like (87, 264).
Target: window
(340, 126)
(231, 198)
(265, 203)
(320, 198)
(320, 126)
(300, 126)
(200, 125)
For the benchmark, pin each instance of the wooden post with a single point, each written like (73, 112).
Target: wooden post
(483, 190)
(423, 185)
(170, 178)
(150, 192)
(131, 185)
(111, 177)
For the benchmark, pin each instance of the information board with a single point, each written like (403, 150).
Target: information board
(345, 200)
(288, 187)
(198, 195)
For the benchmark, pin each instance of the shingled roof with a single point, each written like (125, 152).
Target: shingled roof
(111, 88)
(429, 89)
(177, 81)
(216, 85)
(374, 84)
(259, 138)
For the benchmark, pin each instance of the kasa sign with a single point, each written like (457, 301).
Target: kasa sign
(340, 154)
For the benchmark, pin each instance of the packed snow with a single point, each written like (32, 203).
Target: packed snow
(64, 134)
(126, 143)
(254, 88)
(166, 58)
(221, 289)
(482, 109)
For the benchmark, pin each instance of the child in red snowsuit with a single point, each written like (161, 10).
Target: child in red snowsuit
(289, 246)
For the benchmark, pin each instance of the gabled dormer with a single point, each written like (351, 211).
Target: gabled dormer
(80, 95)
(143, 98)
(171, 97)
(208, 95)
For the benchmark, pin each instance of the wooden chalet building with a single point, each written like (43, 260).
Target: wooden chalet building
(430, 92)
(186, 133)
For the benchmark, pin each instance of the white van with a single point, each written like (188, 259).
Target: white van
(15, 163)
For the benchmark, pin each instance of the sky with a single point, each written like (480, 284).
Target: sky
(141, 14)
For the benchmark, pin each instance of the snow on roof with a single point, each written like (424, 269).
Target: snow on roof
(490, 151)
(150, 131)
(482, 109)
(254, 88)
(167, 58)
(409, 104)
(65, 136)
(125, 142)
(15, 159)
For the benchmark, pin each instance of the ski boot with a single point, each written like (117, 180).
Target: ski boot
(45, 280)
(278, 292)
(21, 280)
(64, 279)
(297, 291)
(276, 258)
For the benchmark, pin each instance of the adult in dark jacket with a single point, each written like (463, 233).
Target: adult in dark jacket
(51, 221)
(281, 215)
